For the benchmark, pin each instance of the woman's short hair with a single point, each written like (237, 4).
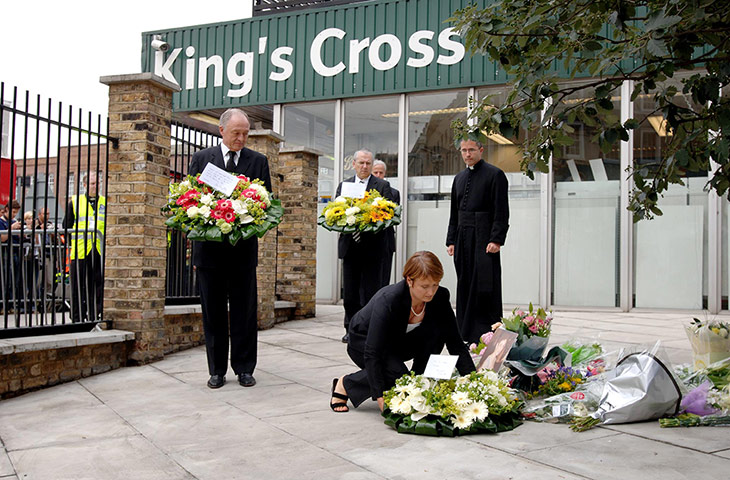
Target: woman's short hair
(423, 264)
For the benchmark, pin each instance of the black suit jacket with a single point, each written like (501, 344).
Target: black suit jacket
(373, 243)
(379, 331)
(224, 255)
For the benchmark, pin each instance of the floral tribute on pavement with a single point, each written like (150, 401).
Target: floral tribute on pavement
(372, 213)
(206, 214)
(474, 403)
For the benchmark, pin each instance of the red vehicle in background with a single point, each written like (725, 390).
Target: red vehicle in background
(7, 180)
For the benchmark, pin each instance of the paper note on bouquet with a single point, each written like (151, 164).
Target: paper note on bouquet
(219, 179)
(440, 366)
(353, 190)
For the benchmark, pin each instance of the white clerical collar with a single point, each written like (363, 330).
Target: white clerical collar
(470, 167)
(357, 180)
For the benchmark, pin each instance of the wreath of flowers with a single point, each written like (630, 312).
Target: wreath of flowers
(209, 215)
(478, 402)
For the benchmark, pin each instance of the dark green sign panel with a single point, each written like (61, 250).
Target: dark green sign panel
(368, 48)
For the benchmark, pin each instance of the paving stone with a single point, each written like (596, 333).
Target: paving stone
(6, 468)
(121, 458)
(626, 456)
(71, 423)
(450, 458)
(161, 421)
(704, 439)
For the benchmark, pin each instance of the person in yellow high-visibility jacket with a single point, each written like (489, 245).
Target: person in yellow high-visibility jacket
(85, 221)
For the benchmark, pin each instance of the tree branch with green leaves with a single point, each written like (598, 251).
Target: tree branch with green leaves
(674, 51)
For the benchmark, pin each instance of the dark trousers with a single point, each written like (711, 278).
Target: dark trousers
(10, 264)
(87, 288)
(362, 276)
(225, 294)
(387, 268)
(357, 385)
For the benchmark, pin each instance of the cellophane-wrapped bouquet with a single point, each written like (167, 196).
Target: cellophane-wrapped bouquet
(710, 341)
(372, 213)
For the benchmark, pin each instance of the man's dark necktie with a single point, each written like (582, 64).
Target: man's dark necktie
(231, 164)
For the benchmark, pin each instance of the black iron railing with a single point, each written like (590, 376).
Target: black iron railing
(181, 286)
(49, 154)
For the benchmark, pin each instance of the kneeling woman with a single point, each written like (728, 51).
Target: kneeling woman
(409, 320)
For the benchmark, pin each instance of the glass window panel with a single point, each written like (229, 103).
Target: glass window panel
(670, 251)
(725, 245)
(521, 253)
(372, 124)
(432, 163)
(313, 125)
(586, 188)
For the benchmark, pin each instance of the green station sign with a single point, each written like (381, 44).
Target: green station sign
(361, 49)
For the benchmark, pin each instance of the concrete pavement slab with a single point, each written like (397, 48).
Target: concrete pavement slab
(328, 349)
(522, 439)
(245, 462)
(703, 439)
(277, 400)
(120, 458)
(723, 454)
(450, 458)
(292, 361)
(626, 456)
(282, 427)
(6, 468)
(313, 377)
(77, 423)
(51, 400)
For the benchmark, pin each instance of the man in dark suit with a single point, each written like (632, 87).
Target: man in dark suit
(226, 273)
(362, 253)
(379, 169)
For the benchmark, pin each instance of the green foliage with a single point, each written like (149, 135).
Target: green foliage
(607, 42)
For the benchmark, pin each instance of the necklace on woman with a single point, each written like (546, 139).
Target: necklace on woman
(419, 314)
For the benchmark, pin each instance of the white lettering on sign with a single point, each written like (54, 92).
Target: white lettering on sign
(315, 52)
(190, 68)
(285, 65)
(395, 51)
(245, 79)
(330, 54)
(204, 64)
(414, 43)
(446, 43)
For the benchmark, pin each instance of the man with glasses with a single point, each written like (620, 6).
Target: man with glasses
(477, 230)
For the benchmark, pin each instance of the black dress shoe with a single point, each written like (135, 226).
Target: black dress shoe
(216, 381)
(246, 380)
(346, 338)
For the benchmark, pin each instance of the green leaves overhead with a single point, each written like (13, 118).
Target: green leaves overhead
(604, 43)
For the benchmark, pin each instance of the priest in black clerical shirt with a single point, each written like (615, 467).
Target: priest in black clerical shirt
(477, 230)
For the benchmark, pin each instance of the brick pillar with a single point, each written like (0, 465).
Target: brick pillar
(296, 270)
(140, 110)
(267, 142)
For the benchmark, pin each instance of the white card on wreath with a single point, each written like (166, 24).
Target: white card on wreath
(219, 179)
(440, 366)
(353, 189)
